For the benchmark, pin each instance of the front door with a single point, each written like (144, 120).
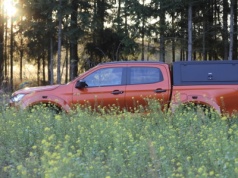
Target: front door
(105, 88)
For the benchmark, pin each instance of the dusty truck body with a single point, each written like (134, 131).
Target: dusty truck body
(211, 83)
(128, 84)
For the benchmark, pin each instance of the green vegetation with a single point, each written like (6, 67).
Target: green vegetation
(86, 144)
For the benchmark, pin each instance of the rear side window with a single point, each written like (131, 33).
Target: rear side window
(145, 75)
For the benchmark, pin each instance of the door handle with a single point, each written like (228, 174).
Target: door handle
(159, 90)
(117, 92)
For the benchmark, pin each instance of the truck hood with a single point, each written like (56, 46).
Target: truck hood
(36, 89)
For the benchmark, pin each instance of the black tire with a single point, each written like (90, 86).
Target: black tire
(51, 108)
(202, 111)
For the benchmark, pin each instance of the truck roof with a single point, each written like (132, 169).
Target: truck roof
(132, 62)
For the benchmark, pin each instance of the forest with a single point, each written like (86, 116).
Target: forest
(62, 38)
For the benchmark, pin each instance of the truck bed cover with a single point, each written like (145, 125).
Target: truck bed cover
(205, 72)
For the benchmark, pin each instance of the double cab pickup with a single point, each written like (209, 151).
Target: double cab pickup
(127, 84)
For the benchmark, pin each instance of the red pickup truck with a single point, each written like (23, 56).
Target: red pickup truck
(126, 84)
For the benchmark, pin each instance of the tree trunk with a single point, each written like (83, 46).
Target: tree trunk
(225, 32)
(5, 50)
(11, 55)
(143, 36)
(21, 59)
(162, 29)
(204, 35)
(190, 50)
(50, 53)
(1, 42)
(235, 47)
(73, 43)
(231, 30)
(50, 63)
(119, 16)
(143, 42)
(43, 69)
(210, 38)
(67, 62)
(59, 43)
(126, 16)
(173, 37)
(38, 71)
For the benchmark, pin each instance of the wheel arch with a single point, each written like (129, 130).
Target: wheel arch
(48, 101)
(207, 103)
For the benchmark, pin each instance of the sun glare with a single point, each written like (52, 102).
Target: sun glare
(9, 8)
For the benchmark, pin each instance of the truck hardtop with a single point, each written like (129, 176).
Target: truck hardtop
(128, 85)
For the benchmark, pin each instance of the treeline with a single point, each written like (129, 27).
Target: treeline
(88, 32)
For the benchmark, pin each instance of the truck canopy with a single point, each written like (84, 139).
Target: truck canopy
(205, 73)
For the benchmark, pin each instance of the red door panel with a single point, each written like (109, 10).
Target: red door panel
(105, 88)
(103, 96)
(146, 83)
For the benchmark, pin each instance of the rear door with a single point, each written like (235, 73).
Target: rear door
(145, 83)
(106, 87)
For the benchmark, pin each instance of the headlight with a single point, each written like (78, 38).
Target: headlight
(17, 98)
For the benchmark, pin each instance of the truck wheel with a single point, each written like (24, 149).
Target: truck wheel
(201, 110)
(51, 108)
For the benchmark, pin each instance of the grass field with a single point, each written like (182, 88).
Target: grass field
(87, 144)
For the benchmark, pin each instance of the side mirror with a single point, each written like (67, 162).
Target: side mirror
(81, 84)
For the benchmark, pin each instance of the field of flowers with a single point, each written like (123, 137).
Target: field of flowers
(87, 144)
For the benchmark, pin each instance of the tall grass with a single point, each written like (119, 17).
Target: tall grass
(86, 144)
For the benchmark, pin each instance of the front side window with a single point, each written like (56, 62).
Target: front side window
(104, 77)
(145, 75)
